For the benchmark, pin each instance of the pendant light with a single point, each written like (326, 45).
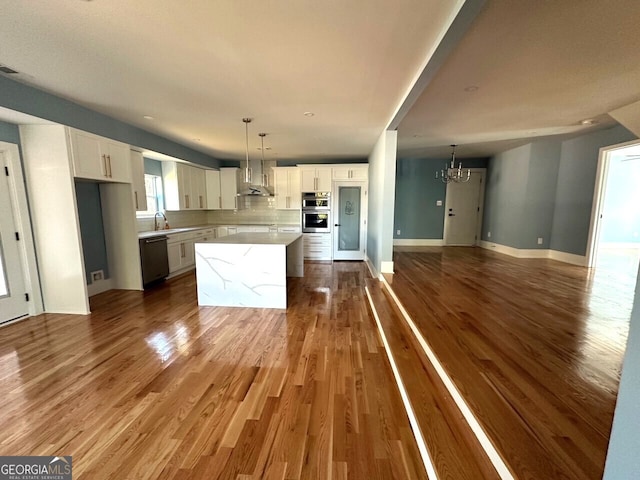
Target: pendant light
(264, 178)
(247, 170)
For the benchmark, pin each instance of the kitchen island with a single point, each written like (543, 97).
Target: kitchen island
(248, 269)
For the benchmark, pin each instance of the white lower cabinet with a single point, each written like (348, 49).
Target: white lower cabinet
(317, 246)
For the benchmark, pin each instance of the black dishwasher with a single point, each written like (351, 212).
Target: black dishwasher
(154, 259)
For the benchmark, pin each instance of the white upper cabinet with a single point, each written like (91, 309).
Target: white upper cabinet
(198, 188)
(98, 158)
(212, 182)
(287, 188)
(184, 186)
(355, 172)
(137, 180)
(229, 188)
(315, 179)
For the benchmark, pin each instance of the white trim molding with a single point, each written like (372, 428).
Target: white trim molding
(573, 259)
(386, 267)
(372, 269)
(418, 242)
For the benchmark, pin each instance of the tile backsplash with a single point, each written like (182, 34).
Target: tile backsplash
(256, 211)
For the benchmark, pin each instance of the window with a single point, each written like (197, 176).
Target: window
(155, 199)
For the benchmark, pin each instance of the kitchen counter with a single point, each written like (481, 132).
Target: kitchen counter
(248, 269)
(155, 233)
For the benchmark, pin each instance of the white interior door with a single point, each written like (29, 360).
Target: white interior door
(463, 210)
(349, 220)
(13, 303)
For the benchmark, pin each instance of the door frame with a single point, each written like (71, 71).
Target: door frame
(599, 193)
(22, 220)
(483, 177)
(364, 209)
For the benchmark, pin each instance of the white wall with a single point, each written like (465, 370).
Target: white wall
(623, 460)
(382, 184)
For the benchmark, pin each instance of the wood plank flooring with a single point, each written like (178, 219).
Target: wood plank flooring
(150, 386)
(534, 346)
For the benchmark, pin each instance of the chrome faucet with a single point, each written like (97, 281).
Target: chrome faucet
(155, 221)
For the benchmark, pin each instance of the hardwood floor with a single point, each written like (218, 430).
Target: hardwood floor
(149, 386)
(534, 346)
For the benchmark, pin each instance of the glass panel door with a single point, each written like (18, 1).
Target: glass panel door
(349, 210)
(349, 218)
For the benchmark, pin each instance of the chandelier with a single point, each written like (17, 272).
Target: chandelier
(453, 174)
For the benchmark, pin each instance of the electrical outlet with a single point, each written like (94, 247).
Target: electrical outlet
(540, 240)
(488, 234)
(97, 276)
(438, 203)
(398, 232)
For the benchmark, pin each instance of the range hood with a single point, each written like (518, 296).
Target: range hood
(249, 190)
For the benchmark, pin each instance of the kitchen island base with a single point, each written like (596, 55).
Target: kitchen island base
(248, 269)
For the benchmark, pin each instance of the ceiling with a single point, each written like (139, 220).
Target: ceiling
(199, 67)
(528, 69)
(523, 69)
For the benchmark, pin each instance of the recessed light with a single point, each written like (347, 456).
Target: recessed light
(196, 139)
(148, 117)
(471, 88)
(588, 121)
(417, 135)
(309, 114)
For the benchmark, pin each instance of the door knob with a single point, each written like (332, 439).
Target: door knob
(452, 214)
(336, 224)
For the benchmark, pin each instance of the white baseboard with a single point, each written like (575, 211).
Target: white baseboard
(418, 242)
(386, 267)
(99, 286)
(571, 258)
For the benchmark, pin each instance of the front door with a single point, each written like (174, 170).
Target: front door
(13, 303)
(349, 220)
(463, 210)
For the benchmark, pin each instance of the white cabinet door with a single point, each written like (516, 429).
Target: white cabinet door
(99, 158)
(188, 253)
(212, 187)
(315, 179)
(355, 172)
(88, 160)
(118, 160)
(229, 188)
(198, 188)
(287, 183)
(323, 176)
(178, 191)
(137, 181)
(174, 252)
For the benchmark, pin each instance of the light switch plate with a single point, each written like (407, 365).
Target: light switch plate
(438, 203)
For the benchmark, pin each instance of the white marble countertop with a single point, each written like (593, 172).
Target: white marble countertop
(156, 233)
(257, 238)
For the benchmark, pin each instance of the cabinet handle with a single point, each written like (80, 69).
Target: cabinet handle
(186, 201)
(220, 203)
(104, 164)
(135, 194)
(109, 162)
(201, 205)
(182, 254)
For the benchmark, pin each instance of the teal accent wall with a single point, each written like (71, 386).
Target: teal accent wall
(327, 161)
(576, 182)
(26, 99)
(9, 133)
(91, 228)
(152, 167)
(417, 190)
(545, 189)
